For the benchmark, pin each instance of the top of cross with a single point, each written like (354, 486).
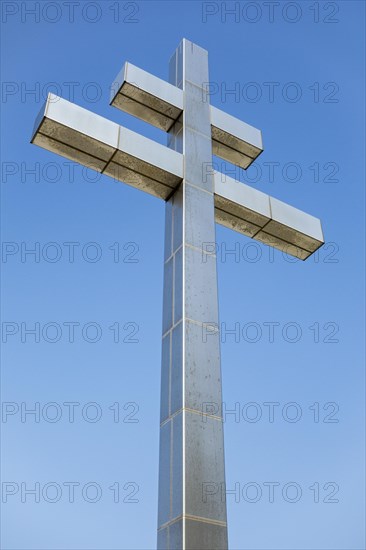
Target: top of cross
(107, 147)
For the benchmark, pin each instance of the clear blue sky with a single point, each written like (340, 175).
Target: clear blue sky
(311, 55)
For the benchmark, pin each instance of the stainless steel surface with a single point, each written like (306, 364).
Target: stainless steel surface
(191, 444)
(145, 164)
(177, 370)
(234, 140)
(205, 535)
(201, 300)
(201, 387)
(176, 535)
(163, 542)
(291, 230)
(154, 100)
(266, 219)
(195, 371)
(165, 378)
(76, 133)
(87, 138)
(204, 463)
(143, 95)
(239, 206)
(177, 467)
(164, 512)
(168, 295)
(178, 282)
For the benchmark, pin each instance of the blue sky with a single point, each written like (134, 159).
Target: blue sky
(310, 55)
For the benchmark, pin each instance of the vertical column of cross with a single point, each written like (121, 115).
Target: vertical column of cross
(192, 508)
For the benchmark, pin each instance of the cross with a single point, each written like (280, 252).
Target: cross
(191, 510)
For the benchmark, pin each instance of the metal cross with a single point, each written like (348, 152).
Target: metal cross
(191, 440)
